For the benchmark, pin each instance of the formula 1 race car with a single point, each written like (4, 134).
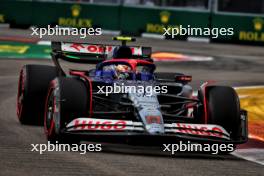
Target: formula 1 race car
(124, 100)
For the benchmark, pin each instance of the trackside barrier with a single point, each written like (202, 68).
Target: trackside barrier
(131, 20)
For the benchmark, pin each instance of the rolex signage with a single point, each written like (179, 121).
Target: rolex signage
(164, 18)
(254, 35)
(75, 20)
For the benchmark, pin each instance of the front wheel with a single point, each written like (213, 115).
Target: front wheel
(221, 104)
(67, 99)
(224, 109)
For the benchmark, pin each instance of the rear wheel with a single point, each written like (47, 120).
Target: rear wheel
(67, 99)
(32, 89)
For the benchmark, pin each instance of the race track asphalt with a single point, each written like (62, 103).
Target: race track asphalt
(232, 69)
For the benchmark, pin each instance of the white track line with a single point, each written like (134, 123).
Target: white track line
(111, 32)
(253, 154)
(151, 35)
(44, 42)
(198, 39)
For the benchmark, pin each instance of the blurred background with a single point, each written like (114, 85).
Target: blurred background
(142, 17)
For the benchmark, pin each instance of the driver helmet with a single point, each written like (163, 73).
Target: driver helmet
(122, 71)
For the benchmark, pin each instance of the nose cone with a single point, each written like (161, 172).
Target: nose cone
(155, 128)
(153, 120)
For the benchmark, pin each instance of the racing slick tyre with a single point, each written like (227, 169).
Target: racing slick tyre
(67, 98)
(32, 90)
(224, 109)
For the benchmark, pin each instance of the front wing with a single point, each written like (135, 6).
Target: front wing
(109, 130)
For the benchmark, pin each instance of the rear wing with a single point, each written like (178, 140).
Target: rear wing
(92, 53)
